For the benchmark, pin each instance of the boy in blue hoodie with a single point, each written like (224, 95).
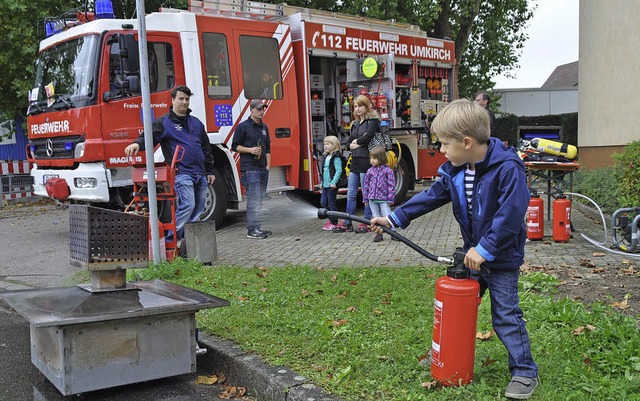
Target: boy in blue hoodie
(486, 184)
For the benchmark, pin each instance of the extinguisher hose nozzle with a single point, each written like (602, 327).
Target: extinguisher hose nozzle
(324, 213)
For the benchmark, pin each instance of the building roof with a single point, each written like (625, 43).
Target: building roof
(563, 76)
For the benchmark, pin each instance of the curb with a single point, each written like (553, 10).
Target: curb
(246, 369)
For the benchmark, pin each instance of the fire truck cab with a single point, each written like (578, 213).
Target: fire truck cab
(307, 65)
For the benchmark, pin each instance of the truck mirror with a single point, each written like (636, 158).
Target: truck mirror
(132, 84)
(129, 54)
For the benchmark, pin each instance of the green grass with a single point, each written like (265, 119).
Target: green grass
(360, 332)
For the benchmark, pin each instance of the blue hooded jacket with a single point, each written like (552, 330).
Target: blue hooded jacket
(500, 198)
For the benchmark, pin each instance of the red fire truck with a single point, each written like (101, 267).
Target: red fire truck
(308, 65)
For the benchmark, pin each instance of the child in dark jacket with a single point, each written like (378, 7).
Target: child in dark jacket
(486, 184)
(330, 174)
(378, 186)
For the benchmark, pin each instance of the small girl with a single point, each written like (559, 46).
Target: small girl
(378, 187)
(332, 168)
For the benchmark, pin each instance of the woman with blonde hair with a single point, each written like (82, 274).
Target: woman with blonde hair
(363, 129)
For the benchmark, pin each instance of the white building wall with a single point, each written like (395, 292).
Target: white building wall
(538, 102)
(609, 75)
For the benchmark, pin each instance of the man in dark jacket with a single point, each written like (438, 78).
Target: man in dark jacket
(483, 99)
(486, 184)
(196, 169)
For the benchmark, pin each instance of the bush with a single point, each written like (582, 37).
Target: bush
(627, 174)
(599, 185)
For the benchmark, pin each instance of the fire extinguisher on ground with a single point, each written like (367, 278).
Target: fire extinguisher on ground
(455, 315)
(561, 218)
(456, 312)
(535, 217)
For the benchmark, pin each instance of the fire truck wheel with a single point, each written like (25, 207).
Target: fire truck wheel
(216, 205)
(402, 182)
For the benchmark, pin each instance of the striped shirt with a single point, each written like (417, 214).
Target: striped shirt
(469, 178)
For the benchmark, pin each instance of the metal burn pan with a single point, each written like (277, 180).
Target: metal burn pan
(104, 239)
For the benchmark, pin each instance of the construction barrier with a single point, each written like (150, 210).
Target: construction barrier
(15, 180)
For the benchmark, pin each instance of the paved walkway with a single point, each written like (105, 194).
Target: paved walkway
(298, 240)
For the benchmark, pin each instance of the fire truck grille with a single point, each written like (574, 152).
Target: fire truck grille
(55, 148)
(103, 239)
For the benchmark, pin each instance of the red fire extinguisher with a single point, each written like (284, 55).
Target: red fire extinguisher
(454, 325)
(535, 217)
(561, 218)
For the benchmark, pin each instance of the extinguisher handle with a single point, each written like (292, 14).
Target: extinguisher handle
(324, 213)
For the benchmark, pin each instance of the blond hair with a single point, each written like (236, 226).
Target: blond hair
(334, 141)
(380, 154)
(363, 100)
(462, 118)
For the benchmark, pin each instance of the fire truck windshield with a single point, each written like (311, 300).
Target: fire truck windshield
(65, 76)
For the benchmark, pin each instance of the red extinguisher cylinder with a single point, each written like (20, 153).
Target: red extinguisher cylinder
(561, 219)
(454, 330)
(535, 217)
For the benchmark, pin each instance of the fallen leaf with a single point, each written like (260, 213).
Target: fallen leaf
(598, 254)
(485, 336)
(351, 309)
(353, 282)
(207, 380)
(221, 378)
(378, 312)
(263, 272)
(244, 298)
(334, 278)
(343, 294)
(581, 329)
(629, 271)
(585, 359)
(338, 323)
(488, 361)
(232, 392)
(587, 263)
(263, 289)
(383, 358)
(429, 385)
(621, 305)
(305, 293)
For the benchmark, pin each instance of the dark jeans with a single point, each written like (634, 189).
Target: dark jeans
(507, 318)
(255, 186)
(328, 201)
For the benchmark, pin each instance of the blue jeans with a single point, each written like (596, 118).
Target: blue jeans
(192, 195)
(507, 320)
(255, 186)
(354, 181)
(328, 201)
(379, 209)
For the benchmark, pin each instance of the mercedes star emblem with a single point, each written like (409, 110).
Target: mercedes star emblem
(49, 147)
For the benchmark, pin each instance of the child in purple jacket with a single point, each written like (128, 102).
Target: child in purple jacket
(378, 186)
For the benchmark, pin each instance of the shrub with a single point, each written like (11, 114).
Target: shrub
(627, 174)
(598, 185)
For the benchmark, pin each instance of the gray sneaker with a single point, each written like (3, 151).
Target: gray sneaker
(521, 388)
(256, 234)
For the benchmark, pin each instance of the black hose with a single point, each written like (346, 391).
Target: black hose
(324, 213)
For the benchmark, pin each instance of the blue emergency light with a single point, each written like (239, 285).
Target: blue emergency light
(104, 9)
